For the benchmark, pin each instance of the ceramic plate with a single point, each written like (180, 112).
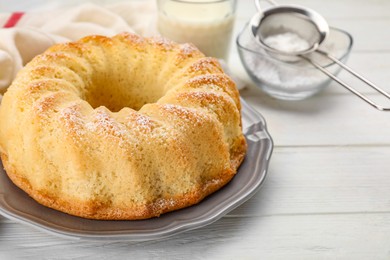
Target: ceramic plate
(17, 205)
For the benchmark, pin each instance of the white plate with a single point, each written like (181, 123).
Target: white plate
(17, 205)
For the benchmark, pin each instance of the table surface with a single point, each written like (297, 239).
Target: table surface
(327, 194)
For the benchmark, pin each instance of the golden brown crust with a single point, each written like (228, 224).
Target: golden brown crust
(93, 210)
(121, 128)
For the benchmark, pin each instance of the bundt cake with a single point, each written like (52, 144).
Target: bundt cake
(121, 128)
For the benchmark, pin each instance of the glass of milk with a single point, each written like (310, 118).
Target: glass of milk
(208, 24)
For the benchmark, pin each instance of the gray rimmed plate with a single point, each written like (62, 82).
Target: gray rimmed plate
(17, 205)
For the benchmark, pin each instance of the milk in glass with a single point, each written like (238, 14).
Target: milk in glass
(206, 24)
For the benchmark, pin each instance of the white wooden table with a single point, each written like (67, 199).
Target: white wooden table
(327, 194)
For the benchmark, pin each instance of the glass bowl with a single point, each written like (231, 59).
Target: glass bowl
(291, 80)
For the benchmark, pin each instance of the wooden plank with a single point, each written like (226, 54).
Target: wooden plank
(372, 65)
(321, 180)
(369, 35)
(331, 9)
(329, 236)
(322, 120)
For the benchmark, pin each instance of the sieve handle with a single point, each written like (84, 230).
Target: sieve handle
(345, 85)
(258, 6)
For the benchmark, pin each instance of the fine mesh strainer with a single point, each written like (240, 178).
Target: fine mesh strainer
(310, 26)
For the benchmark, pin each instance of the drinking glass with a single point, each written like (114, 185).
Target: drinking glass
(208, 24)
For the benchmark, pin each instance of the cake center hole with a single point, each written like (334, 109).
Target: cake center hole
(118, 93)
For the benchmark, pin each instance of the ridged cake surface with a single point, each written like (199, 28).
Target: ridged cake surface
(121, 128)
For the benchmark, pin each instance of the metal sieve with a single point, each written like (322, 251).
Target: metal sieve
(310, 26)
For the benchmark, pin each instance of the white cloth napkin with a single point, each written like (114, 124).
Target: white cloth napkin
(25, 35)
